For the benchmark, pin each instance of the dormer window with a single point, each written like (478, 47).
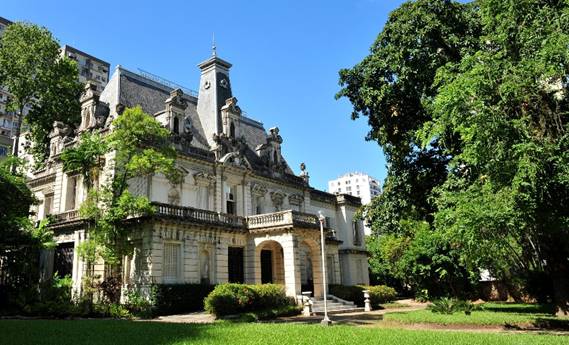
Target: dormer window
(232, 130)
(176, 125)
(230, 200)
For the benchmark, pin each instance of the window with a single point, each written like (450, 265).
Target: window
(47, 204)
(72, 190)
(230, 206)
(171, 263)
(328, 222)
(232, 130)
(3, 151)
(176, 125)
(205, 267)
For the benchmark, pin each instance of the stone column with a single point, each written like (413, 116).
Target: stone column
(291, 264)
(222, 269)
(247, 202)
(78, 264)
(251, 263)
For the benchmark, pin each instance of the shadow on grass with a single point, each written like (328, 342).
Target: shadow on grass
(552, 323)
(99, 332)
(520, 308)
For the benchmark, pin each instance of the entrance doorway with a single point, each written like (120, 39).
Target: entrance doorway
(235, 263)
(266, 266)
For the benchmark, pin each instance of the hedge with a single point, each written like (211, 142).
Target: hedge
(231, 299)
(379, 294)
(179, 298)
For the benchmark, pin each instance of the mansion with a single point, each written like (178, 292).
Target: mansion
(240, 213)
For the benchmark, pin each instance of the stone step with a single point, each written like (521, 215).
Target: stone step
(338, 311)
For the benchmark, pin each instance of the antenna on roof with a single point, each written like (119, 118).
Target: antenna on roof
(213, 47)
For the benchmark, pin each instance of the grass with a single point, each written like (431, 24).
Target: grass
(62, 332)
(394, 305)
(491, 314)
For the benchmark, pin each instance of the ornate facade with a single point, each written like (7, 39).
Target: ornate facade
(240, 214)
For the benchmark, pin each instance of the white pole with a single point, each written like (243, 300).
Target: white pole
(326, 321)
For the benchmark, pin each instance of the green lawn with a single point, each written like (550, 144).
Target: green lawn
(63, 332)
(492, 314)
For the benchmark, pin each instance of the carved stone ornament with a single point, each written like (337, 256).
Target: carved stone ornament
(174, 196)
(258, 189)
(295, 199)
(204, 179)
(231, 106)
(176, 99)
(277, 197)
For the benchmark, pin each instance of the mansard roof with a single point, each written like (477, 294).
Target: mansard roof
(129, 89)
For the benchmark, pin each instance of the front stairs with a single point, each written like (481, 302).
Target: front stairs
(335, 306)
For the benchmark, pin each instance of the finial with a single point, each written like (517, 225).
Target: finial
(213, 47)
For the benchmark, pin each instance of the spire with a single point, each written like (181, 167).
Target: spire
(213, 47)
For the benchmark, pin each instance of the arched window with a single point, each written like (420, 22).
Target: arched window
(232, 130)
(204, 267)
(176, 125)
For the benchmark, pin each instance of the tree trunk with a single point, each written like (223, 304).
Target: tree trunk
(561, 292)
(16, 143)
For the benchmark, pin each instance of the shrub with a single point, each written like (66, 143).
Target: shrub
(447, 305)
(139, 305)
(348, 293)
(443, 305)
(378, 294)
(271, 296)
(229, 299)
(179, 298)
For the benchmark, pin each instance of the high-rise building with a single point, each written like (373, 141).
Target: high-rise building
(90, 69)
(357, 184)
(6, 117)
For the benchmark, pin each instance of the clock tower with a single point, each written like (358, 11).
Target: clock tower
(215, 89)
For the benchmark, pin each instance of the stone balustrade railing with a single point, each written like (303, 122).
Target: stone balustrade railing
(282, 218)
(199, 215)
(66, 216)
(287, 218)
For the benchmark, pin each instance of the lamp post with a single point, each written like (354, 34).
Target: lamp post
(325, 321)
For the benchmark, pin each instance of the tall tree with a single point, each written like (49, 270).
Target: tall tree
(137, 146)
(393, 87)
(39, 80)
(497, 113)
(508, 198)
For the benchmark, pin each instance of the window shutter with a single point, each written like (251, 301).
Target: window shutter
(171, 262)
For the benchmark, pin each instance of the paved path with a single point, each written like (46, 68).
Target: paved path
(200, 317)
(357, 318)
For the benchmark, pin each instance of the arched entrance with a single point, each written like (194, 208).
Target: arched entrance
(310, 267)
(271, 262)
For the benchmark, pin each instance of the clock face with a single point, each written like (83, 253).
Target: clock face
(207, 84)
(223, 83)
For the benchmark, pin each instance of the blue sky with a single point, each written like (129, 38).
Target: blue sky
(285, 55)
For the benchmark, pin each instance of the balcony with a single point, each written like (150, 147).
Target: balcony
(198, 215)
(258, 223)
(282, 219)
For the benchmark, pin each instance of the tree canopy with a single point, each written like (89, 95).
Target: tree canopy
(137, 146)
(40, 81)
(480, 89)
